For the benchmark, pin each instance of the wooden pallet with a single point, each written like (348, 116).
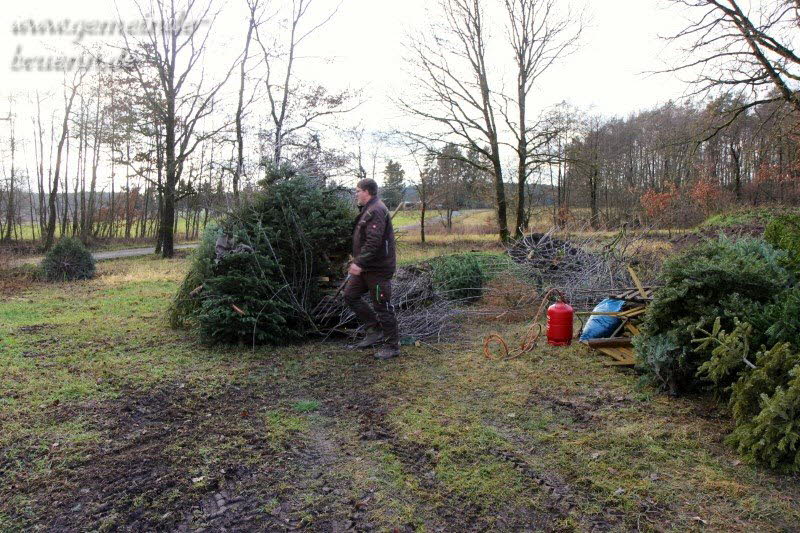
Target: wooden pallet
(639, 294)
(618, 348)
(633, 295)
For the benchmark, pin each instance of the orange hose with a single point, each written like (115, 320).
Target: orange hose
(528, 342)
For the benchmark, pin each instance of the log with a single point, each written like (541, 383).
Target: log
(616, 342)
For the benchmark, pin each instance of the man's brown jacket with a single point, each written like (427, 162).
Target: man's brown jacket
(373, 239)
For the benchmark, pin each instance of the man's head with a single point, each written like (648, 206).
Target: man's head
(366, 189)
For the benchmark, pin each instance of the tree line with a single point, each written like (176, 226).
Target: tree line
(663, 166)
(157, 146)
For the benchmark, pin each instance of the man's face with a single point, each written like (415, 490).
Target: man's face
(362, 197)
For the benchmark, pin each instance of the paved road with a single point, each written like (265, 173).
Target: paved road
(102, 256)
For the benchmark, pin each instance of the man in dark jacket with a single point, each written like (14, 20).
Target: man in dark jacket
(374, 263)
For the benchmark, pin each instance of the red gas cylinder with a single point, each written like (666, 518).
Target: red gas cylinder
(559, 324)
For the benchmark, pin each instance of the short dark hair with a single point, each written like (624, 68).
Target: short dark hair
(369, 185)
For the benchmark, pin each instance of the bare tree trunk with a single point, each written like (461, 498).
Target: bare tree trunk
(422, 223)
(145, 214)
(168, 195)
(737, 172)
(85, 137)
(112, 216)
(239, 168)
(40, 168)
(30, 203)
(160, 197)
(128, 213)
(75, 210)
(51, 221)
(65, 213)
(593, 182)
(519, 224)
(196, 225)
(11, 184)
(89, 228)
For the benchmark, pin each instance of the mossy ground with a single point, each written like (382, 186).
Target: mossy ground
(111, 420)
(746, 216)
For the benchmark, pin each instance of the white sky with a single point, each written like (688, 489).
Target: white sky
(365, 42)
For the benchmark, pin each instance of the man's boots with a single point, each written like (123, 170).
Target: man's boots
(374, 336)
(387, 352)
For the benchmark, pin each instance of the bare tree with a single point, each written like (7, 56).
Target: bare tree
(11, 207)
(734, 50)
(449, 68)
(358, 133)
(174, 48)
(293, 106)
(69, 98)
(97, 135)
(252, 6)
(539, 35)
(38, 148)
(564, 122)
(457, 90)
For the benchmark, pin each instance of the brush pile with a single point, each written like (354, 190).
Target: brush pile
(581, 268)
(428, 297)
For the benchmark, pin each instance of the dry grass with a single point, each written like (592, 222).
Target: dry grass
(409, 251)
(149, 269)
(507, 300)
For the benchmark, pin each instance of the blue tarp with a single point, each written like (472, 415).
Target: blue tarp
(602, 326)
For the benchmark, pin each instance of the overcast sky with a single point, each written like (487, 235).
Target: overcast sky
(362, 47)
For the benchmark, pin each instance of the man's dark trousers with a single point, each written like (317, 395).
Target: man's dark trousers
(379, 287)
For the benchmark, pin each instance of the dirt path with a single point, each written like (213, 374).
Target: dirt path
(183, 459)
(431, 220)
(102, 256)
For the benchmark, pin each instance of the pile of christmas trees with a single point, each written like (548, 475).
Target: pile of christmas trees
(728, 321)
(255, 277)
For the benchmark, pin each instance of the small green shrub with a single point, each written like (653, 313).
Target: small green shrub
(783, 232)
(723, 279)
(68, 260)
(458, 276)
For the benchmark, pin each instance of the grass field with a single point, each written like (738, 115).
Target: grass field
(112, 421)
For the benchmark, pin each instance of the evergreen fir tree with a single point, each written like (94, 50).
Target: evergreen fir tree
(393, 184)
